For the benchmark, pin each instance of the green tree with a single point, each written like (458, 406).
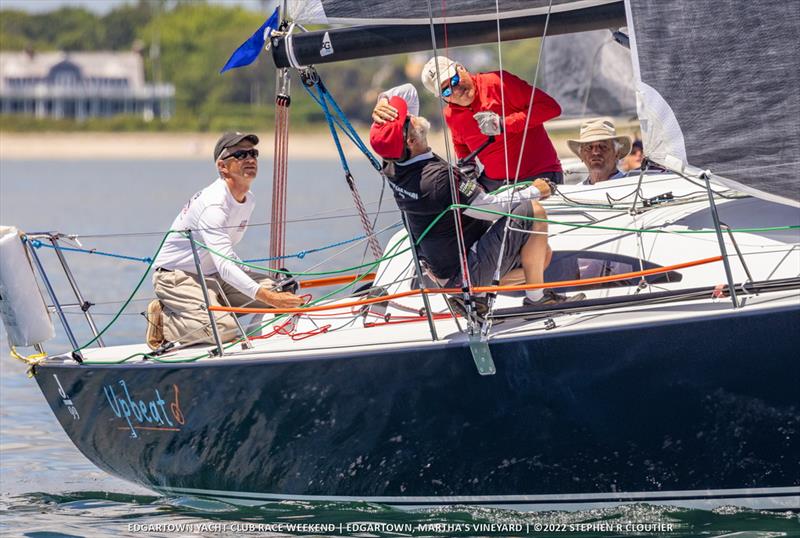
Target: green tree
(123, 23)
(195, 41)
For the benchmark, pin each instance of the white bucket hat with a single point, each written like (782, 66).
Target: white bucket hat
(447, 68)
(598, 129)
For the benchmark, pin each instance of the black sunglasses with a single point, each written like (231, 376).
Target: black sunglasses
(242, 154)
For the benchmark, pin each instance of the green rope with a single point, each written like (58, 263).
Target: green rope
(130, 297)
(280, 317)
(501, 214)
(390, 255)
(300, 273)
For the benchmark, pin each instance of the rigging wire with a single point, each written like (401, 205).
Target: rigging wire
(533, 93)
(462, 250)
(507, 224)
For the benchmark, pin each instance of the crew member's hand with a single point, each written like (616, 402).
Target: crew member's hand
(278, 299)
(489, 123)
(544, 187)
(383, 111)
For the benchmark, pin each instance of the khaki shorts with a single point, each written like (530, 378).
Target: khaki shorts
(185, 316)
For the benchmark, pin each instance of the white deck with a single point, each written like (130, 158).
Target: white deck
(769, 256)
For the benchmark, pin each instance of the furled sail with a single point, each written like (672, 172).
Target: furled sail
(394, 26)
(393, 12)
(717, 89)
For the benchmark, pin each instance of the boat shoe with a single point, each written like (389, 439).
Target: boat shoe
(155, 325)
(481, 306)
(550, 298)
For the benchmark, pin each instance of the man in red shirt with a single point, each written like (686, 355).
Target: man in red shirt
(467, 94)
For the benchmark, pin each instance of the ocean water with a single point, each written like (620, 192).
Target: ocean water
(47, 488)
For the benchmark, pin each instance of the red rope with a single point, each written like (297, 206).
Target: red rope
(476, 289)
(362, 213)
(279, 180)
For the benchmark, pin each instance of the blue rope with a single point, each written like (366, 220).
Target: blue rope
(299, 255)
(357, 139)
(303, 253)
(38, 244)
(341, 121)
(329, 118)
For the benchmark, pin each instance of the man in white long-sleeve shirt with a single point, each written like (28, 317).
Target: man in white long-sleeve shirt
(218, 217)
(421, 184)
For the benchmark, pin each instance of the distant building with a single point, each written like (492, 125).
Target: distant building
(80, 85)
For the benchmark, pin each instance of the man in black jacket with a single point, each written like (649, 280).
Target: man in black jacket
(420, 181)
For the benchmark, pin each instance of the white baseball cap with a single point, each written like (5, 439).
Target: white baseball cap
(446, 70)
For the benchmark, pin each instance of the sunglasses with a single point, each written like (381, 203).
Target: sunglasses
(447, 92)
(242, 154)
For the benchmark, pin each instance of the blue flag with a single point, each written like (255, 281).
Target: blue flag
(250, 49)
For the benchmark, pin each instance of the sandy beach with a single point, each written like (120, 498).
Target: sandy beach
(109, 145)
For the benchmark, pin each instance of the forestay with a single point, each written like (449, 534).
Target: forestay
(717, 88)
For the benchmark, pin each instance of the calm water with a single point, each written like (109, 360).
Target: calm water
(47, 488)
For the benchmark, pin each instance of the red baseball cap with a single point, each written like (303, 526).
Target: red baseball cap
(387, 138)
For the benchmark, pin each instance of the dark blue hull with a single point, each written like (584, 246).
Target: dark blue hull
(678, 410)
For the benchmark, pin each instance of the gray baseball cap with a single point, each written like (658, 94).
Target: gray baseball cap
(231, 139)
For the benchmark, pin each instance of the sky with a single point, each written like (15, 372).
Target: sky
(104, 6)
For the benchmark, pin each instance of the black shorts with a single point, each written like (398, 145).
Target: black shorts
(482, 256)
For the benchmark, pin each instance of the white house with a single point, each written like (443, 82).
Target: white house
(80, 85)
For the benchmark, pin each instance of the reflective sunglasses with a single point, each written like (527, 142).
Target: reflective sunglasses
(242, 154)
(447, 92)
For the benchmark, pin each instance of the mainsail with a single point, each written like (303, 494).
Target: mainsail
(589, 74)
(717, 88)
(716, 82)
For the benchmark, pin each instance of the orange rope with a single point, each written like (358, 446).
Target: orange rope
(334, 280)
(479, 289)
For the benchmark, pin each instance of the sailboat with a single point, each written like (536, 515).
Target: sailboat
(675, 382)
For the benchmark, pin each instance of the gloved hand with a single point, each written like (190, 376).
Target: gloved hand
(489, 123)
(469, 171)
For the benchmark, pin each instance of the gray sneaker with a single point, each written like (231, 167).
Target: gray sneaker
(550, 298)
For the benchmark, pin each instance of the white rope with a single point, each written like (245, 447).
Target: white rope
(462, 249)
(496, 275)
(533, 93)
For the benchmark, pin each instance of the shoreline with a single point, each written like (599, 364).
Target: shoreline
(193, 146)
(173, 146)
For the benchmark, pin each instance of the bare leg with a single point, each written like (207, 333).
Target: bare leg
(513, 278)
(536, 253)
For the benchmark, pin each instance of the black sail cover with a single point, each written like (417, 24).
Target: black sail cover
(718, 89)
(393, 12)
(383, 27)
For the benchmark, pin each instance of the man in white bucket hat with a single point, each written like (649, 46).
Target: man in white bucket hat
(600, 148)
